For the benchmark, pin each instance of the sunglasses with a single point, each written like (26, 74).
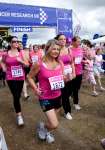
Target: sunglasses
(14, 41)
(62, 39)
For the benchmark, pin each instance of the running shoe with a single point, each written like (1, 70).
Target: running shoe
(103, 143)
(49, 138)
(102, 89)
(77, 106)
(41, 131)
(94, 93)
(27, 97)
(68, 116)
(20, 121)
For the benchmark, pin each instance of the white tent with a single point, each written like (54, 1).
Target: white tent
(99, 40)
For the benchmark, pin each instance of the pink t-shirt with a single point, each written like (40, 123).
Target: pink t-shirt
(36, 56)
(92, 53)
(98, 60)
(78, 57)
(67, 61)
(50, 81)
(88, 51)
(89, 65)
(1, 55)
(14, 69)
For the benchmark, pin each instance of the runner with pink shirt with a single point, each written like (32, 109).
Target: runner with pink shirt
(13, 66)
(89, 73)
(69, 74)
(88, 70)
(50, 76)
(77, 53)
(36, 54)
(2, 73)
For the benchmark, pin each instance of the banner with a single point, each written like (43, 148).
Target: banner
(21, 29)
(17, 14)
(26, 15)
(64, 13)
(64, 22)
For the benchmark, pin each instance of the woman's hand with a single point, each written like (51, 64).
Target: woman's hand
(73, 76)
(67, 78)
(38, 91)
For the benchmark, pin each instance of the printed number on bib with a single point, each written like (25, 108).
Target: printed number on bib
(67, 69)
(34, 59)
(78, 60)
(56, 82)
(16, 71)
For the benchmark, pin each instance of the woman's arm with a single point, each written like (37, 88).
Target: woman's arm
(23, 59)
(72, 63)
(73, 69)
(33, 72)
(2, 63)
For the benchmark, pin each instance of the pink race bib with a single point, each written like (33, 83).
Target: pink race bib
(56, 82)
(16, 71)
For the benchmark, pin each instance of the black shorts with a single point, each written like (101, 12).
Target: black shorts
(2, 74)
(27, 70)
(48, 104)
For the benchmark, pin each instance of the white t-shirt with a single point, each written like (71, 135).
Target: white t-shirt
(98, 60)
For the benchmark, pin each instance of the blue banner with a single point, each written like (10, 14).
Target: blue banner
(64, 22)
(64, 13)
(25, 15)
(21, 29)
(64, 25)
(16, 14)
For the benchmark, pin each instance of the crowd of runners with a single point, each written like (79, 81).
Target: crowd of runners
(55, 72)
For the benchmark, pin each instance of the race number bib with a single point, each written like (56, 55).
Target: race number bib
(34, 59)
(67, 69)
(56, 82)
(78, 60)
(16, 71)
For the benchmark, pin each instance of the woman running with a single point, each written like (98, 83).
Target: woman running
(50, 77)
(13, 65)
(69, 73)
(98, 67)
(36, 54)
(77, 53)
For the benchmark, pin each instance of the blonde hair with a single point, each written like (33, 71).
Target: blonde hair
(50, 43)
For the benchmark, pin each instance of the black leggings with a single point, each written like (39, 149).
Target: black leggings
(16, 89)
(66, 93)
(76, 84)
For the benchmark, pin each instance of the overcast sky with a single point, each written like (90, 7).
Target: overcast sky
(90, 14)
